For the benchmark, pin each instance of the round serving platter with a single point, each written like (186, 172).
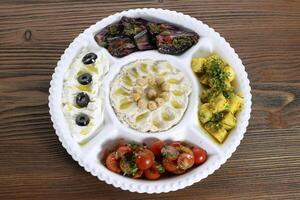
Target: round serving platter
(188, 128)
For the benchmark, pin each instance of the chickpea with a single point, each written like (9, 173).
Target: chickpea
(152, 81)
(142, 104)
(159, 80)
(165, 96)
(136, 96)
(159, 101)
(151, 94)
(165, 87)
(152, 105)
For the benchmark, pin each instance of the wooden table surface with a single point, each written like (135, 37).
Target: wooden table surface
(265, 34)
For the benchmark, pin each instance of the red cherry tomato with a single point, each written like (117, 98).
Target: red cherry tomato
(179, 171)
(152, 173)
(145, 159)
(138, 174)
(200, 155)
(159, 167)
(156, 147)
(112, 163)
(185, 161)
(169, 152)
(123, 143)
(176, 144)
(169, 165)
(122, 150)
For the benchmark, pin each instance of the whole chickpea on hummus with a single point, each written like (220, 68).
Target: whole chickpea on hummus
(150, 95)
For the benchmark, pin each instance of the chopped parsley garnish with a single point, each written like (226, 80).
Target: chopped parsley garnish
(169, 152)
(227, 94)
(128, 164)
(217, 117)
(133, 145)
(217, 75)
(181, 42)
(160, 168)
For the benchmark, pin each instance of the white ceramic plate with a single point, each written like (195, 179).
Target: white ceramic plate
(187, 129)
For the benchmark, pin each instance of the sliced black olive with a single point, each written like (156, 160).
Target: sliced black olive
(82, 119)
(85, 79)
(89, 58)
(82, 99)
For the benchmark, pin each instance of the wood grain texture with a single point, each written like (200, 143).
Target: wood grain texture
(34, 34)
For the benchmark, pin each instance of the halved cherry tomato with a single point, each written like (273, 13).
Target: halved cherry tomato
(144, 159)
(179, 171)
(186, 149)
(123, 143)
(112, 163)
(185, 161)
(152, 173)
(122, 150)
(156, 147)
(169, 152)
(159, 167)
(138, 174)
(200, 155)
(176, 144)
(169, 165)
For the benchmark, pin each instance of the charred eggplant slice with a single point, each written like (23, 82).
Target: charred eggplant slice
(109, 31)
(156, 28)
(143, 41)
(175, 42)
(120, 46)
(136, 34)
(132, 26)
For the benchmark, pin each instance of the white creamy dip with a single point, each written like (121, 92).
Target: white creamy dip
(145, 119)
(71, 87)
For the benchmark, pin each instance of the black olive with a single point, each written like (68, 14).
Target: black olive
(89, 58)
(82, 119)
(85, 79)
(82, 99)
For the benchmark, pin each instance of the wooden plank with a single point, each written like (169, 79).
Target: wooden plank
(33, 36)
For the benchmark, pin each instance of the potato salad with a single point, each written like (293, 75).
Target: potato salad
(219, 103)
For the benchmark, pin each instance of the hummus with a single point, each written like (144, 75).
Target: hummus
(150, 95)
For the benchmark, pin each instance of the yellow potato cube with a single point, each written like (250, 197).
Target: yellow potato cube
(205, 114)
(229, 71)
(235, 103)
(219, 134)
(220, 104)
(204, 79)
(197, 64)
(206, 95)
(229, 121)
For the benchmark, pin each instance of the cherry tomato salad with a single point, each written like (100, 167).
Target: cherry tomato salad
(152, 162)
